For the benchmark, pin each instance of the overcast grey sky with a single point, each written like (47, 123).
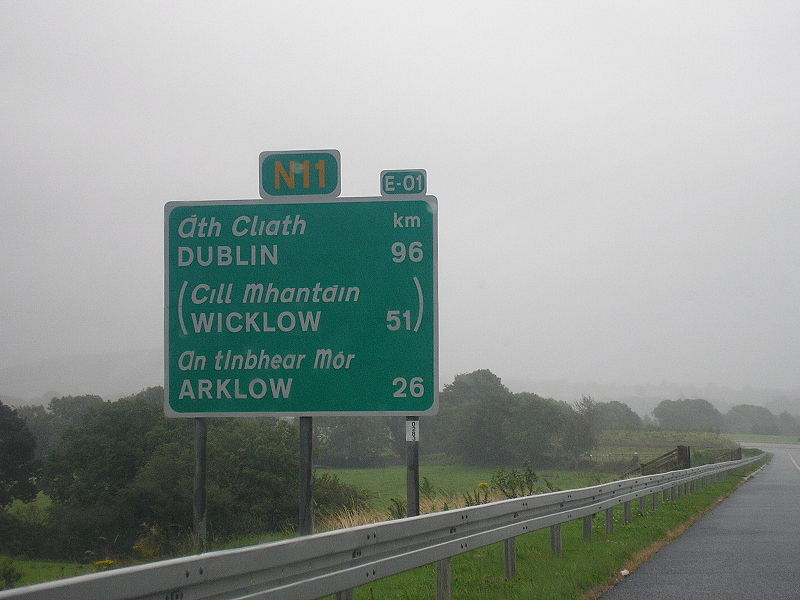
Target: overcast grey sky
(618, 182)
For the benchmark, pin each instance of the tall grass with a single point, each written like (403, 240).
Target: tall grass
(442, 488)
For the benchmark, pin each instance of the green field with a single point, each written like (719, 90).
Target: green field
(37, 571)
(617, 448)
(771, 439)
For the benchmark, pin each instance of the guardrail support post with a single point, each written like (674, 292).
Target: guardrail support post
(510, 556)
(643, 504)
(609, 520)
(587, 527)
(444, 577)
(345, 595)
(628, 511)
(655, 501)
(555, 539)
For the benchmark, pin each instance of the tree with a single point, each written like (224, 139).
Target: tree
(48, 425)
(87, 481)
(535, 428)
(353, 441)
(688, 415)
(472, 424)
(102, 455)
(789, 425)
(578, 436)
(16, 457)
(40, 422)
(70, 411)
(125, 478)
(747, 418)
(614, 415)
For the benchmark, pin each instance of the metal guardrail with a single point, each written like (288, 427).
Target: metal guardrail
(338, 561)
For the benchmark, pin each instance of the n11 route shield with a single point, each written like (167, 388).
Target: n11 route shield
(323, 307)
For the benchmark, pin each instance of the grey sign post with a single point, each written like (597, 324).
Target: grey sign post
(412, 466)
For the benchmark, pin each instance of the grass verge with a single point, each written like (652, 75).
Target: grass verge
(37, 571)
(584, 570)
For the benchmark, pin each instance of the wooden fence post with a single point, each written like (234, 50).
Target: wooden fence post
(684, 457)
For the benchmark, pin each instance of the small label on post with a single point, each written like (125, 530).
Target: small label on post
(412, 431)
(413, 181)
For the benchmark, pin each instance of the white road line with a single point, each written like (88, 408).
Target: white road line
(794, 461)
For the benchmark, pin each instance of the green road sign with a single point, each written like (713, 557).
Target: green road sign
(299, 173)
(301, 308)
(413, 181)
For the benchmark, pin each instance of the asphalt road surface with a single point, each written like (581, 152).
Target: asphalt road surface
(748, 547)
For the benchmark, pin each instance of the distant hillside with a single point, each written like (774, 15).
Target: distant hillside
(644, 398)
(115, 375)
(110, 376)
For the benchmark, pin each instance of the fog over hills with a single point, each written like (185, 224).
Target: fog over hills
(644, 397)
(110, 376)
(115, 375)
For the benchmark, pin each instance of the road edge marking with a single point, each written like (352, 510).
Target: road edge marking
(794, 461)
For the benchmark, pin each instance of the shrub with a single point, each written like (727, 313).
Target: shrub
(479, 496)
(514, 484)
(8, 574)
